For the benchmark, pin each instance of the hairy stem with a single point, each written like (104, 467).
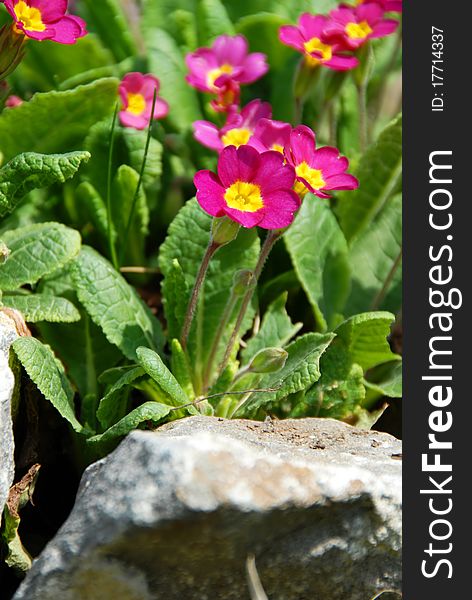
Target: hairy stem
(362, 105)
(270, 240)
(210, 251)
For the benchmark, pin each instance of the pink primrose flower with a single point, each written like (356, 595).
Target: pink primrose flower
(387, 5)
(271, 135)
(352, 27)
(227, 60)
(238, 130)
(46, 20)
(13, 101)
(309, 39)
(137, 94)
(250, 188)
(317, 170)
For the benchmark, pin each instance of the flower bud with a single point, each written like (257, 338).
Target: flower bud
(11, 50)
(243, 281)
(224, 230)
(4, 252)
(268, 360)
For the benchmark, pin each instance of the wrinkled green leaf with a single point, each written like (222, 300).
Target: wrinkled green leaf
(36, 251)
(56, 121)
(181, 369)
(175, 294)
(48, 375)
(379, 174)
(29, 171)
(114, 305)
(41, 307)
(149, 411)
(320, 257)
(212, 21)
(365, 336)
(276, 329)
(111, 405)
(301, 370)
(387, 380)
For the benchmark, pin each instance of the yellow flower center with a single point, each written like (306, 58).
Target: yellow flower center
(29, 16)
(244, 196)
(136, 104)
(358, 31)
(236, 137)
(278, 148)
(313, 176)
(316, 45)
(215, 73)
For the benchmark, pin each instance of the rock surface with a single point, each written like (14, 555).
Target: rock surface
(174, 514)
(8, 335)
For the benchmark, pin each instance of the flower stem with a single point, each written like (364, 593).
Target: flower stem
(140, 180)
(362, 104)
(110, 233)
(379, 298)
(269, 243)
(210, 251)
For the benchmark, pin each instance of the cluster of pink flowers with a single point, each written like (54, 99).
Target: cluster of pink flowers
(223, 68)
(331, 40)
(45, 20)
(262, 180)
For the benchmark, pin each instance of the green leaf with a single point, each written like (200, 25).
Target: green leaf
(128, 149)
(387, 380)
(181, 369)
(41, 307)
(17, 558)
(379, 174)
(149, 411)
(261, 30)
(111, 407)
(110, 22)
(300, 372)
(30, 171)
(56, 120)
(94, 209)
(167, 62)
(175, 294)
(123, 190)
(187, 241)
(319, 255)
(340, 389)
(156, 369)
(114, 305)
(365, 337)
(46, 64)
(373, 257)
(212, 21)
(37, 250)
(48, 375)
(277, 329)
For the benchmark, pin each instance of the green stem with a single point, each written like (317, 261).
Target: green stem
(270, 240)
(228, 311)
(362, 107)
(111, 142)
(140, 181)
(332, 123)
(210, 251)
(388, 280)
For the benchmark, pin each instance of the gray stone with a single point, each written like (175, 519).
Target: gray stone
(174, 514)
(8, 334)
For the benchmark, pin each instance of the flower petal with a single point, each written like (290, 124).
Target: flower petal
(279, 209)
(207, 134)
(210, 193)
(291, 36)
(272, 174)
(237, 165)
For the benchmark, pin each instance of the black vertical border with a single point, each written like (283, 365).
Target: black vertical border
(426, 131)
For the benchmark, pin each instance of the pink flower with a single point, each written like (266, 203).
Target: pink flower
(271, 135)
(309, 39)
(46, 20)
(317, 171)
(227, 60)
(250, 188)
(13, 101)
(387, 5)
(238, 130)
(137, 93)
(354, 26)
